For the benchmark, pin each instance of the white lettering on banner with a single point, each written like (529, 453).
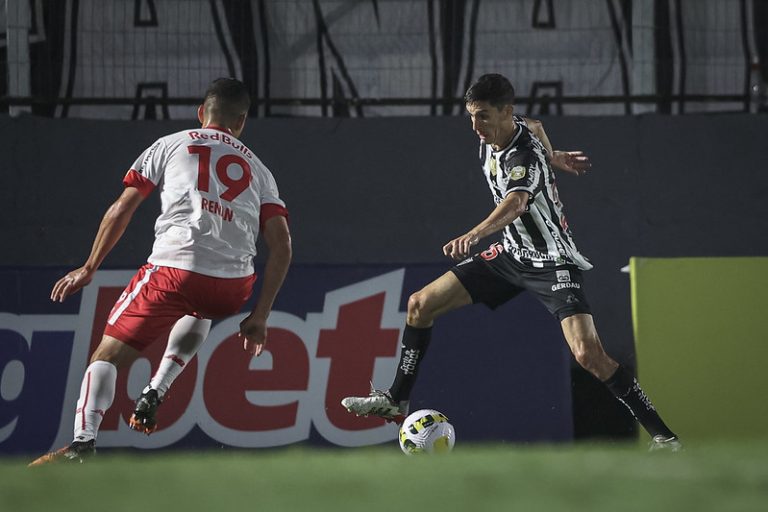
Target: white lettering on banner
(25, 326)
(308, 366)
(7, 430)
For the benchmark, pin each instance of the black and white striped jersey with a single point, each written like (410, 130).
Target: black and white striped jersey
(540, 237)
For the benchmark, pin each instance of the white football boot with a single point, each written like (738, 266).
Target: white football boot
(377, 403)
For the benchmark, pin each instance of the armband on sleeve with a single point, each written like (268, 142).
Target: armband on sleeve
(270, 210)
(139, 182)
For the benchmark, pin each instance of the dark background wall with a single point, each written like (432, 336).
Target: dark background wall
(393, 190)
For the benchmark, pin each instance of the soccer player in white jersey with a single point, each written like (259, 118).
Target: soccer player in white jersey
(216, 197)
(537, 254)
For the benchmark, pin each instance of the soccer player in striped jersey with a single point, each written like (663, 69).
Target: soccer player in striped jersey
(216, 198)
(537, 254)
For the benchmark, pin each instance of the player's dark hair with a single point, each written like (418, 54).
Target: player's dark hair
(493, 88)
(227, 98)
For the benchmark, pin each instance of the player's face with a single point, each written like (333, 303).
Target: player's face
(488, 122)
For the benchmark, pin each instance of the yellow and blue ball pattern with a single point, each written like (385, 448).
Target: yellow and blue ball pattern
(426, 431)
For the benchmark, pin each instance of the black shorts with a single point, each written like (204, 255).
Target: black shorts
(493, 277)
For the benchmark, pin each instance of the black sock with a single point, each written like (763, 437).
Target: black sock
(625, 387)
(412, 350)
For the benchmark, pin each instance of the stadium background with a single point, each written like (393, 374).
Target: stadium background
(357, 112)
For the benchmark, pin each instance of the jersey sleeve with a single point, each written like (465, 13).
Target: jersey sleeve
(269, 210)
(522, 173)
(271, 204)
(268, 192)
(147, 171)
(139, 182)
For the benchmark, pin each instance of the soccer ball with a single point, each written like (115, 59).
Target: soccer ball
(426, 431)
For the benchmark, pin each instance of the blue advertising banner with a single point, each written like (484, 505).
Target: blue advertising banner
(501, 375)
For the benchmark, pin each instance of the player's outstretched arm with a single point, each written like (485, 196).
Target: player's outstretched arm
(502, 216)
(112, 227)
(278, 239)
(574, 162)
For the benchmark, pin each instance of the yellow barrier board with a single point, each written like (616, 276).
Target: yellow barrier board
(701, 338)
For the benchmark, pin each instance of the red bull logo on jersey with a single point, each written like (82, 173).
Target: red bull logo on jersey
(311, 362)
(226, 139)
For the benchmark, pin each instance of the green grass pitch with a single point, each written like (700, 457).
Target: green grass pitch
(705, 477)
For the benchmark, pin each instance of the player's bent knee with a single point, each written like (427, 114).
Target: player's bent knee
(587, 354)
(581, 356)
(112, 350)
(418, 311)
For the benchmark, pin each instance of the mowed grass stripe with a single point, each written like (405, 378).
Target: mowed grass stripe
(716, 477)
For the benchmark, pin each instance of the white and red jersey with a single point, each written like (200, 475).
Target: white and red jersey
(214, 193)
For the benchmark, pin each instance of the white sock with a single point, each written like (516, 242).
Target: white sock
(185, 339)
(96, 394)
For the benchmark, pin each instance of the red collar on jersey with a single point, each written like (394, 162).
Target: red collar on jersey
(217, 127)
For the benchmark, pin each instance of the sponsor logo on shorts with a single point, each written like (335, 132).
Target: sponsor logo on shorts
(492, 252)
(562, 286)
(563, 276)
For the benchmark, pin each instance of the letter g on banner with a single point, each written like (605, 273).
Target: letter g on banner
(34, 359)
